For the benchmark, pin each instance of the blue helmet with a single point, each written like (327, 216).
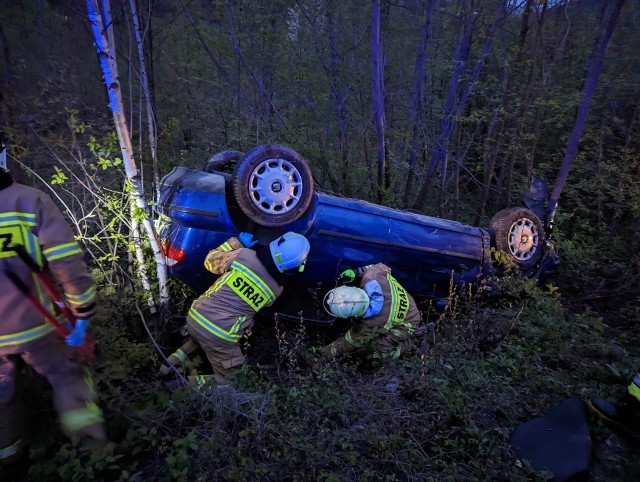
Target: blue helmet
(290, 251)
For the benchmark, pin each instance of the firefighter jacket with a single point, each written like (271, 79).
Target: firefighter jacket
(390, 319)
(28, 217)
(398, 313)
(227, 308)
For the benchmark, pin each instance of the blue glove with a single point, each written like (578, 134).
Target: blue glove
(247, 239)
(77, 336)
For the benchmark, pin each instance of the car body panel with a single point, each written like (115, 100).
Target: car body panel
(425, 253)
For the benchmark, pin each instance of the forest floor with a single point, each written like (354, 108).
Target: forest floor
(445, 413)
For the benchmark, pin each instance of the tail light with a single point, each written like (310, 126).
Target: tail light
(172, 254)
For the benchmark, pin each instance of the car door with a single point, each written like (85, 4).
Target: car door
(427, 254)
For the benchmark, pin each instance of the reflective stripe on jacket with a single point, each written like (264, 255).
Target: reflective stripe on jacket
(399, 314)
(227, 308)
(30, 218)
(386, 328)
(10, 450)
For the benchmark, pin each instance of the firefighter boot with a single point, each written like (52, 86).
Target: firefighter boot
(179, 361)
(624, 414)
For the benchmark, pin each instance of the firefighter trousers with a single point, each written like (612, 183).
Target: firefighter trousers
(73, 397)
(226, 358)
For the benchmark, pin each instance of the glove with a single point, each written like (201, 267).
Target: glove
(347, 276)
(247, 239)
(79, 333)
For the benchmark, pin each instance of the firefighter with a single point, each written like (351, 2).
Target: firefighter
(251, 280)
(385, 315)
(624, 414)
(30, 219)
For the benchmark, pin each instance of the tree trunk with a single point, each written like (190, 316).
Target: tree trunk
(518, 121)
(498, 121)
(152, 127)
(106, 56)
(378, 96)
(6, 75)
(262, 96)
(416, 105)
(457, 166)
(210, 54)
(449, 121)
(615, 218)
(136, 237)
(593, 73)
(153, 143)
(446, 127)
(339, 95)
(489, 159)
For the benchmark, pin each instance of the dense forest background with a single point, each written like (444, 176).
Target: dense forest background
(477, 97)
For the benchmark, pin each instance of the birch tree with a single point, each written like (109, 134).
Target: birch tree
(145, 85)
(105, 47)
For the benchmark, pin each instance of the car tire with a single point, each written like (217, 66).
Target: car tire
(519, 233)
(273, 185)
(224, 161)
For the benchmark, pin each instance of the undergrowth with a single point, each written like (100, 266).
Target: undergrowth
(482, 365)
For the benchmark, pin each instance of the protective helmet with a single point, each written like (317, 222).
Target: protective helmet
(290, 251)
(346, 302)
(3, 152)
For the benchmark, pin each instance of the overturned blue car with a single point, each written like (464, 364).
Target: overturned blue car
(269, 190)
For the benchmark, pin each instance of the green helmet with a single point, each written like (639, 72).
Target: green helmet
(290, 251)
(346, 302)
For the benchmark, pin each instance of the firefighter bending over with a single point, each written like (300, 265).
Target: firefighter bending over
(385, 315)
(250, 280)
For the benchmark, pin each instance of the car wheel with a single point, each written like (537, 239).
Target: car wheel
(224, 161)
(518, 232)
(273, 185)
